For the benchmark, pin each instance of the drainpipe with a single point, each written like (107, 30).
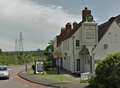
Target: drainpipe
(93, 64)
(73, 37)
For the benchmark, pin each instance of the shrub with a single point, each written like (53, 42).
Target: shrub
(107, 73)
(47, 65)
(33, 67)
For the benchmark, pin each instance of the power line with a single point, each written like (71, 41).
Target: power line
(20, 43)
(16, 46)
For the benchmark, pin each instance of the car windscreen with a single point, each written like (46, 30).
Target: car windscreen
(3, 68)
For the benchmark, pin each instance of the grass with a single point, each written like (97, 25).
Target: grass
(62, 80)
(8, 59)
(12, 59)
(53, 76)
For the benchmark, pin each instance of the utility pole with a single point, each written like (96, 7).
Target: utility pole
(20, 44)
(16, 47)
(21, 51)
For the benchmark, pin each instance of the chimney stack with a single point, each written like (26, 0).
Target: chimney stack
(75, 24)
(86, 13)
(68, 27)
(62, 29)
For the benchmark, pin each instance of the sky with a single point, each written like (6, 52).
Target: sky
(41, 20)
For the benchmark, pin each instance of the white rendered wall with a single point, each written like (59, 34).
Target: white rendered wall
(112, 39)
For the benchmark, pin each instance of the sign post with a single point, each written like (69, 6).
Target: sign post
(39, 67)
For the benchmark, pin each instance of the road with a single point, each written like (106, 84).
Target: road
(17, 82)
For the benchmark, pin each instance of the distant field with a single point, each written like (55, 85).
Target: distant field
(12, 59)
(8, 59)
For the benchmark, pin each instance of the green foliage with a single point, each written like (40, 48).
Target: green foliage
(13, 59)
(33, 67)
(47, 64)
(0, 51)
(20, 59)
(49, 49)
(7, 60)
(107, 73)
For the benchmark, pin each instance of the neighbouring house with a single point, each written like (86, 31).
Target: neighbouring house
(73, 47)
(108, 37)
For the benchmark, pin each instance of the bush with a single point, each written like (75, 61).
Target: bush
(33, 67)
(107, 73)
(47, 65)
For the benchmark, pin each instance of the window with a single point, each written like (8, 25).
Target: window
(3, 68)
(105, 46)
(77, 43)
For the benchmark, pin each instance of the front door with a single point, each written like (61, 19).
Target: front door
(78, 64)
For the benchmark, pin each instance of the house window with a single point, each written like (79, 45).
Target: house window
(105, 46)
(77, 43)
(78, 64)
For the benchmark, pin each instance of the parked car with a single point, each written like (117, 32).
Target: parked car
(4, 73)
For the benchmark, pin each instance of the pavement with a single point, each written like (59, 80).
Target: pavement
(51, 84)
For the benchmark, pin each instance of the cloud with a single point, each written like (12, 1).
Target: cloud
(38, 23)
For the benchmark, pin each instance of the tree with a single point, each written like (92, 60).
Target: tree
(48, 52)
(38, 50)
(0, 51)
(49, 49)
(107, 73)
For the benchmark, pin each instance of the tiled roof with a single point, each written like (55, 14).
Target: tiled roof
(67, 33)
(117, 19)
(103, 28)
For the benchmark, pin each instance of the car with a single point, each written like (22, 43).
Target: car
(4, 72)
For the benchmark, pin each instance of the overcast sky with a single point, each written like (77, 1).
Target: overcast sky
(40, 20)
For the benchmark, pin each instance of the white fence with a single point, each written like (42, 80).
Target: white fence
(85, 76)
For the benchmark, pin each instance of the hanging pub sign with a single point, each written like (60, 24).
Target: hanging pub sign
(89, 33)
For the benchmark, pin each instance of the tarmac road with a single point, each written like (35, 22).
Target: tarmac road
(17, 82)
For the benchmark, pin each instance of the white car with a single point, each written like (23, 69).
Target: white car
(4, 73)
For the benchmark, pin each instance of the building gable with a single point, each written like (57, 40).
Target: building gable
(68, 31)
(103, 28)
(109, 43)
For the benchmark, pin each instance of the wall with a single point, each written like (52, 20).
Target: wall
(112, 39)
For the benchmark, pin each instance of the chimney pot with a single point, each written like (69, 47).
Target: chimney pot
(75, 25)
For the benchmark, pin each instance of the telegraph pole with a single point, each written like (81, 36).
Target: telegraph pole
(21, 51)
(16, 47)
(20, 44)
